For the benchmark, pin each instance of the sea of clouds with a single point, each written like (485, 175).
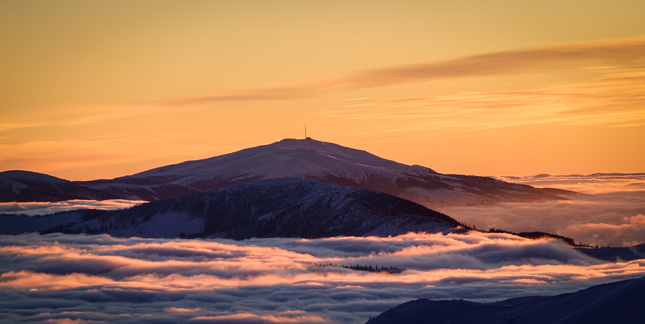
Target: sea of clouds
(90, 278)
(86, 278)
(608, 211)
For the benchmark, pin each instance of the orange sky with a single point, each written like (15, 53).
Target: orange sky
(102, 89)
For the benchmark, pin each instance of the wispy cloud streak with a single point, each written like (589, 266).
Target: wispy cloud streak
(626, 53)
(4, 127)
(621, 53)
(594, 83)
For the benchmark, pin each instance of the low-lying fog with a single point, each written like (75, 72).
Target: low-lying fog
(46, 208)
(280, 280)
(609, 211)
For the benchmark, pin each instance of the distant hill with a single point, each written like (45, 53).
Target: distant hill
(618, 302)
(23, 186)
(288, 207)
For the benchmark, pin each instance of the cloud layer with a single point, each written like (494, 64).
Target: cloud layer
(45, 208)
(101, 278)
(610, 210)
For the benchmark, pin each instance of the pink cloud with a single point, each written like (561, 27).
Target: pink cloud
(256, 279)
(35, 281)
(286, 317)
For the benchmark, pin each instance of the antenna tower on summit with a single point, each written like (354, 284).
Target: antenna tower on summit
(305, 131)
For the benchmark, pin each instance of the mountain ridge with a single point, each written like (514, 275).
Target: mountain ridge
(617, 302)
(320, 161)
(25, 186)
(285, 207)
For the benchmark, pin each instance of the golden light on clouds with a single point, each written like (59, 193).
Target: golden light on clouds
(104, 89)
(283, 279)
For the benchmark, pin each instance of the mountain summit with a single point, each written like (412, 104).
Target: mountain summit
(287, 158)
(320, 161)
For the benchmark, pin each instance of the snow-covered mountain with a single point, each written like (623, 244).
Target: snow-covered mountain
(286, 207)
(321, 161)
(618, 302)
(31, 186)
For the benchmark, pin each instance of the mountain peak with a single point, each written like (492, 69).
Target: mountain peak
(321, 161)
(310, 143)
(328, 148)
(299, 140)
(303, 143)
(309, 159)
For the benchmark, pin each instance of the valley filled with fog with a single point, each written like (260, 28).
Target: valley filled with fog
(277, 280)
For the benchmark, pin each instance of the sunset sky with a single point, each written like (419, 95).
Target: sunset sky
(100, 89)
